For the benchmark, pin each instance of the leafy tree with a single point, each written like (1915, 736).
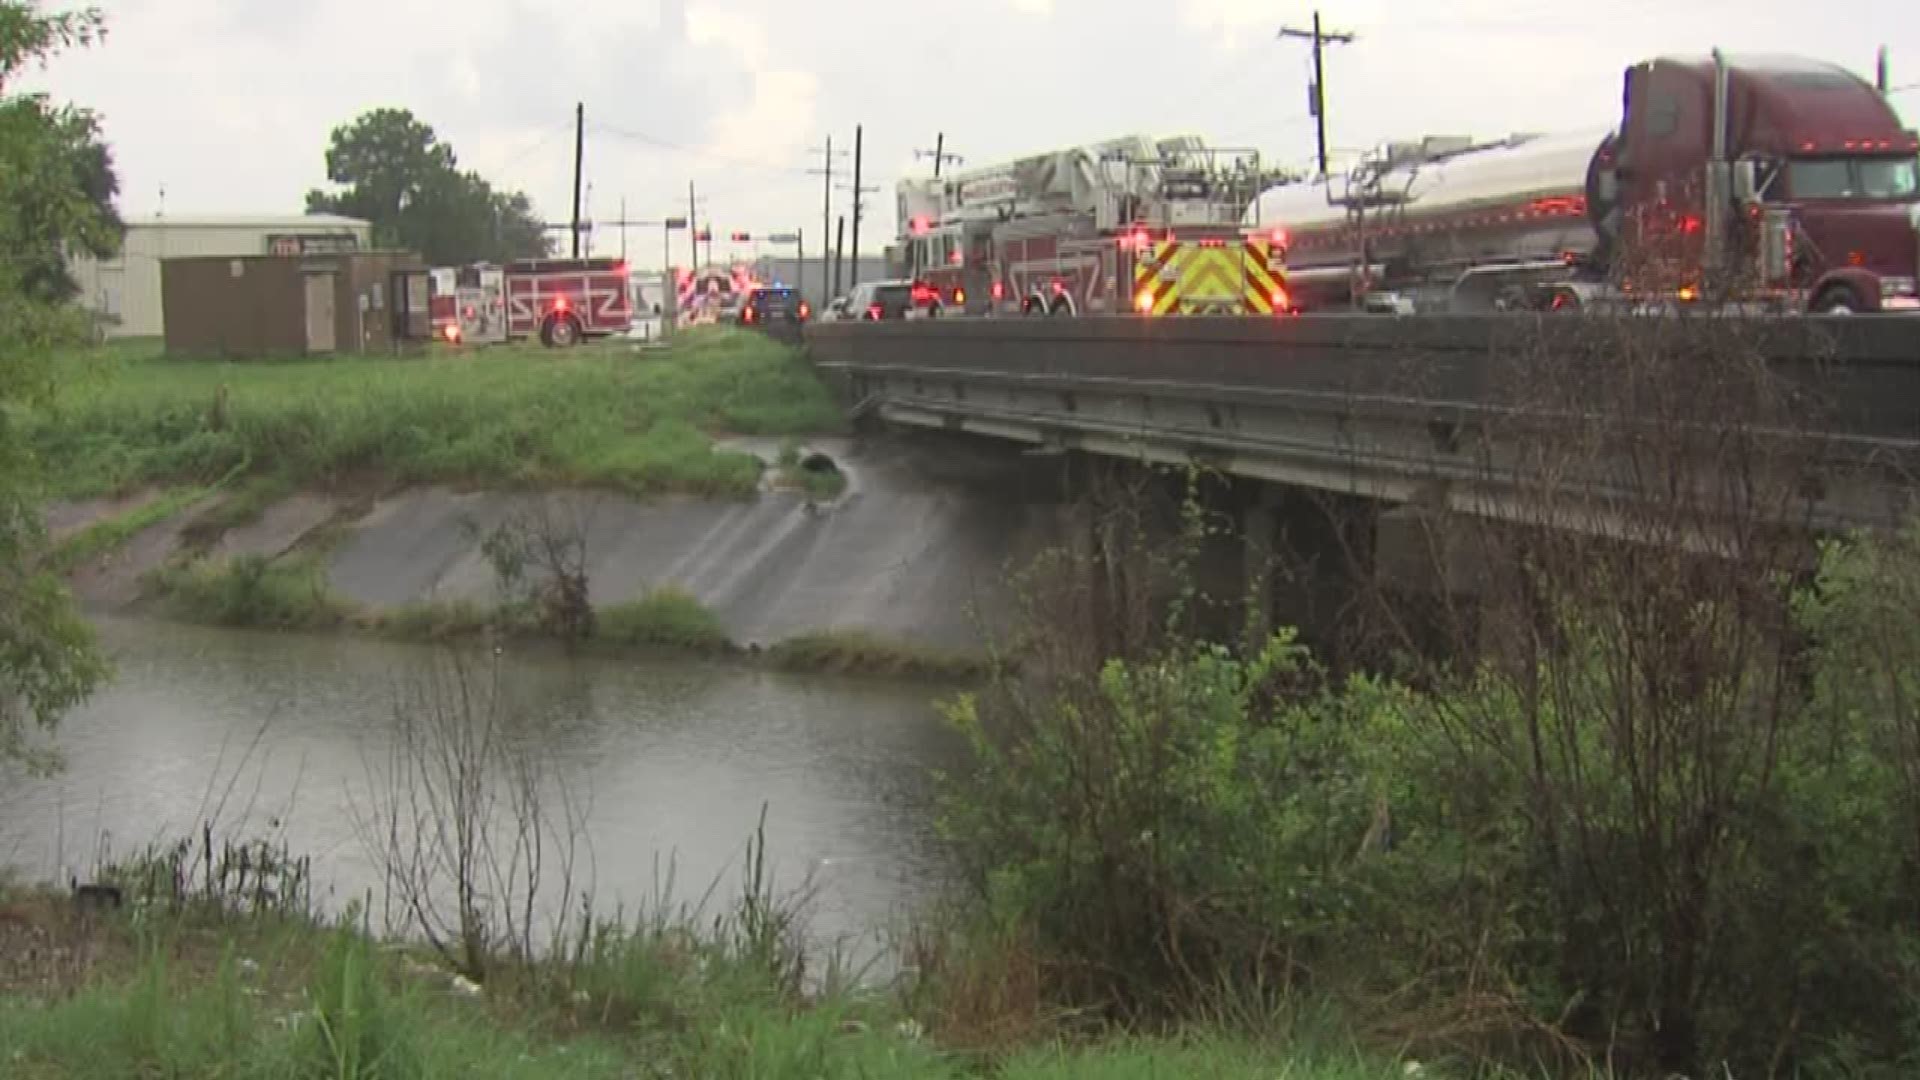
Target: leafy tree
(48, 662)
(395, 172)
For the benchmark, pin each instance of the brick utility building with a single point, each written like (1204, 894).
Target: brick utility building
(123, 292)
(293, 305)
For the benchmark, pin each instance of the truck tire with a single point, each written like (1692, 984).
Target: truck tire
(562, 333)
(1837, 300)
(1061, 310)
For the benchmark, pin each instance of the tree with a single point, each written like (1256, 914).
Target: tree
(48, 661)
(396, 173)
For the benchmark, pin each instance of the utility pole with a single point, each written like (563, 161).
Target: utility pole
(1317, 93)
(579, 156)
(1883, 78)
(857, 201)
(939, 154)
(839, 250)
(826, 210)
(693, 233)
(623, 228)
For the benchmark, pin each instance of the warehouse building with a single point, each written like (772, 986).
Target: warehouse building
(124, 292)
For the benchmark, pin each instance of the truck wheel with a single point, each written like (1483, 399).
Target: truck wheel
(1839, 300)
(1062, 310)
(563, 333)
(1033, 309)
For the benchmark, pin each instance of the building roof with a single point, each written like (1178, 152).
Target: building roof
(245, 221)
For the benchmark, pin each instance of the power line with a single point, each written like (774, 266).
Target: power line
(669, 144)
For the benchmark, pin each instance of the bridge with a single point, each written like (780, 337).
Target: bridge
(1814, 423)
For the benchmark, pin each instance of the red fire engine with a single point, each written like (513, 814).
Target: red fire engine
(562, 301)
(1128, 226)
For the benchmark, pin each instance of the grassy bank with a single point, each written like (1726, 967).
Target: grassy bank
(603, 415)
(291, 593)
(218, 982)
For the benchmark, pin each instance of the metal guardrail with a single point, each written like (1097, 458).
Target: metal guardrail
(1363, 403)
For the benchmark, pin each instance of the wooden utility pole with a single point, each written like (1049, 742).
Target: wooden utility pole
(858, 204)
(693, 233)
(1317, 93)
(1883, 75)
(579, 157)
(939, 154)
(839, 250)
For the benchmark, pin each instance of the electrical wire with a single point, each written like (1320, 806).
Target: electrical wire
(678, 147)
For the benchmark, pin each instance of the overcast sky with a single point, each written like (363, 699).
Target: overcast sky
(228, 103)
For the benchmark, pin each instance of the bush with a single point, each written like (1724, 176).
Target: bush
(1175, 821)
(664, 617)
(254, 592)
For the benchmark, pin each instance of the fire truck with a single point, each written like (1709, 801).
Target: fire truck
(1776, 184)
(561, 301)
(1131, 225)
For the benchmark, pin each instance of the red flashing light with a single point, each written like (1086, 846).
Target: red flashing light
(453, 334)
(1856, 258)
(1281, 301)
(953, 258)
(1279, 238)
(620, 268)
(806, 311)
(1058, 287)
(999, 291)
(1807, 147)
(875, 311)
(920, 226)
(1144, 301)
(1691, 224)
(959, 296)
(1141, 239)
(560, 304)
(1688, 294)
(746, 314)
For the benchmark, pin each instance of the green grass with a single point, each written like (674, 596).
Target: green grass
(855, 652)
(109, 533)
(195, 995)
(252, 591)
(603, 416)
(664, 617)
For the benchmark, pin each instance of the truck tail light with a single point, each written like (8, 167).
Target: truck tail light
(1281, 301)
(875, 311)
(453, 335)
(959, 296)
(999, 291)
(806, 311)
(1144, 302)
(560, 304)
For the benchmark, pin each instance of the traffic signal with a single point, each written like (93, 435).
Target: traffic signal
(705, 236)
(741, 238)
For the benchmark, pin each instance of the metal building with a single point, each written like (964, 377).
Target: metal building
(124, 292)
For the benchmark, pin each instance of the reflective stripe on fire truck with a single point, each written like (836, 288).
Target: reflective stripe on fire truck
(1188, 278)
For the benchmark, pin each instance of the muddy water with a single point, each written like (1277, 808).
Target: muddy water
(283, 735)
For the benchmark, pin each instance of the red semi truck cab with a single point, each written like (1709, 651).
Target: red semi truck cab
(1709, 150)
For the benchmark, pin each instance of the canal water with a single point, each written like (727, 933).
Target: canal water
(288, 737)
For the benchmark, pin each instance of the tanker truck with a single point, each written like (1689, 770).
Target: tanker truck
(1771, 183)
